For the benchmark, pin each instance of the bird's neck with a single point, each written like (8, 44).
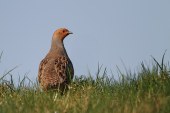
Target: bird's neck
(57, 46)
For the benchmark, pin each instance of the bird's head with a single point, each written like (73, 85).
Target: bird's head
(61, 33)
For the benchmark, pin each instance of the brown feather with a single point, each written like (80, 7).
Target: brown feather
(55, 72)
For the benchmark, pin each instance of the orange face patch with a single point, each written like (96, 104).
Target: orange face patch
(61, 33)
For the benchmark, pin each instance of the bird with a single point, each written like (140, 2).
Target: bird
(56, 69)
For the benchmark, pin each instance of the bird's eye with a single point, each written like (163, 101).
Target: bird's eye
(64, 31)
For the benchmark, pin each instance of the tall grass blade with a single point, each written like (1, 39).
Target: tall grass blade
(8, 72)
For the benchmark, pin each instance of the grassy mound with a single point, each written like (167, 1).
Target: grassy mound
(147, 91)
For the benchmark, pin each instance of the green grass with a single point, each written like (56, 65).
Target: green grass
(147, 91)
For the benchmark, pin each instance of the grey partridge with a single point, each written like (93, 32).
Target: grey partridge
(56, 70)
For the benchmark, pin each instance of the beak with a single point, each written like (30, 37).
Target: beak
(70, 32)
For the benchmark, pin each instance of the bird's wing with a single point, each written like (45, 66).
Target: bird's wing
(64, 68)
(41, 69)
(70, 70)
(60, 66)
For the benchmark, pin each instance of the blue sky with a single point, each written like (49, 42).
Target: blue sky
(105, 32)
